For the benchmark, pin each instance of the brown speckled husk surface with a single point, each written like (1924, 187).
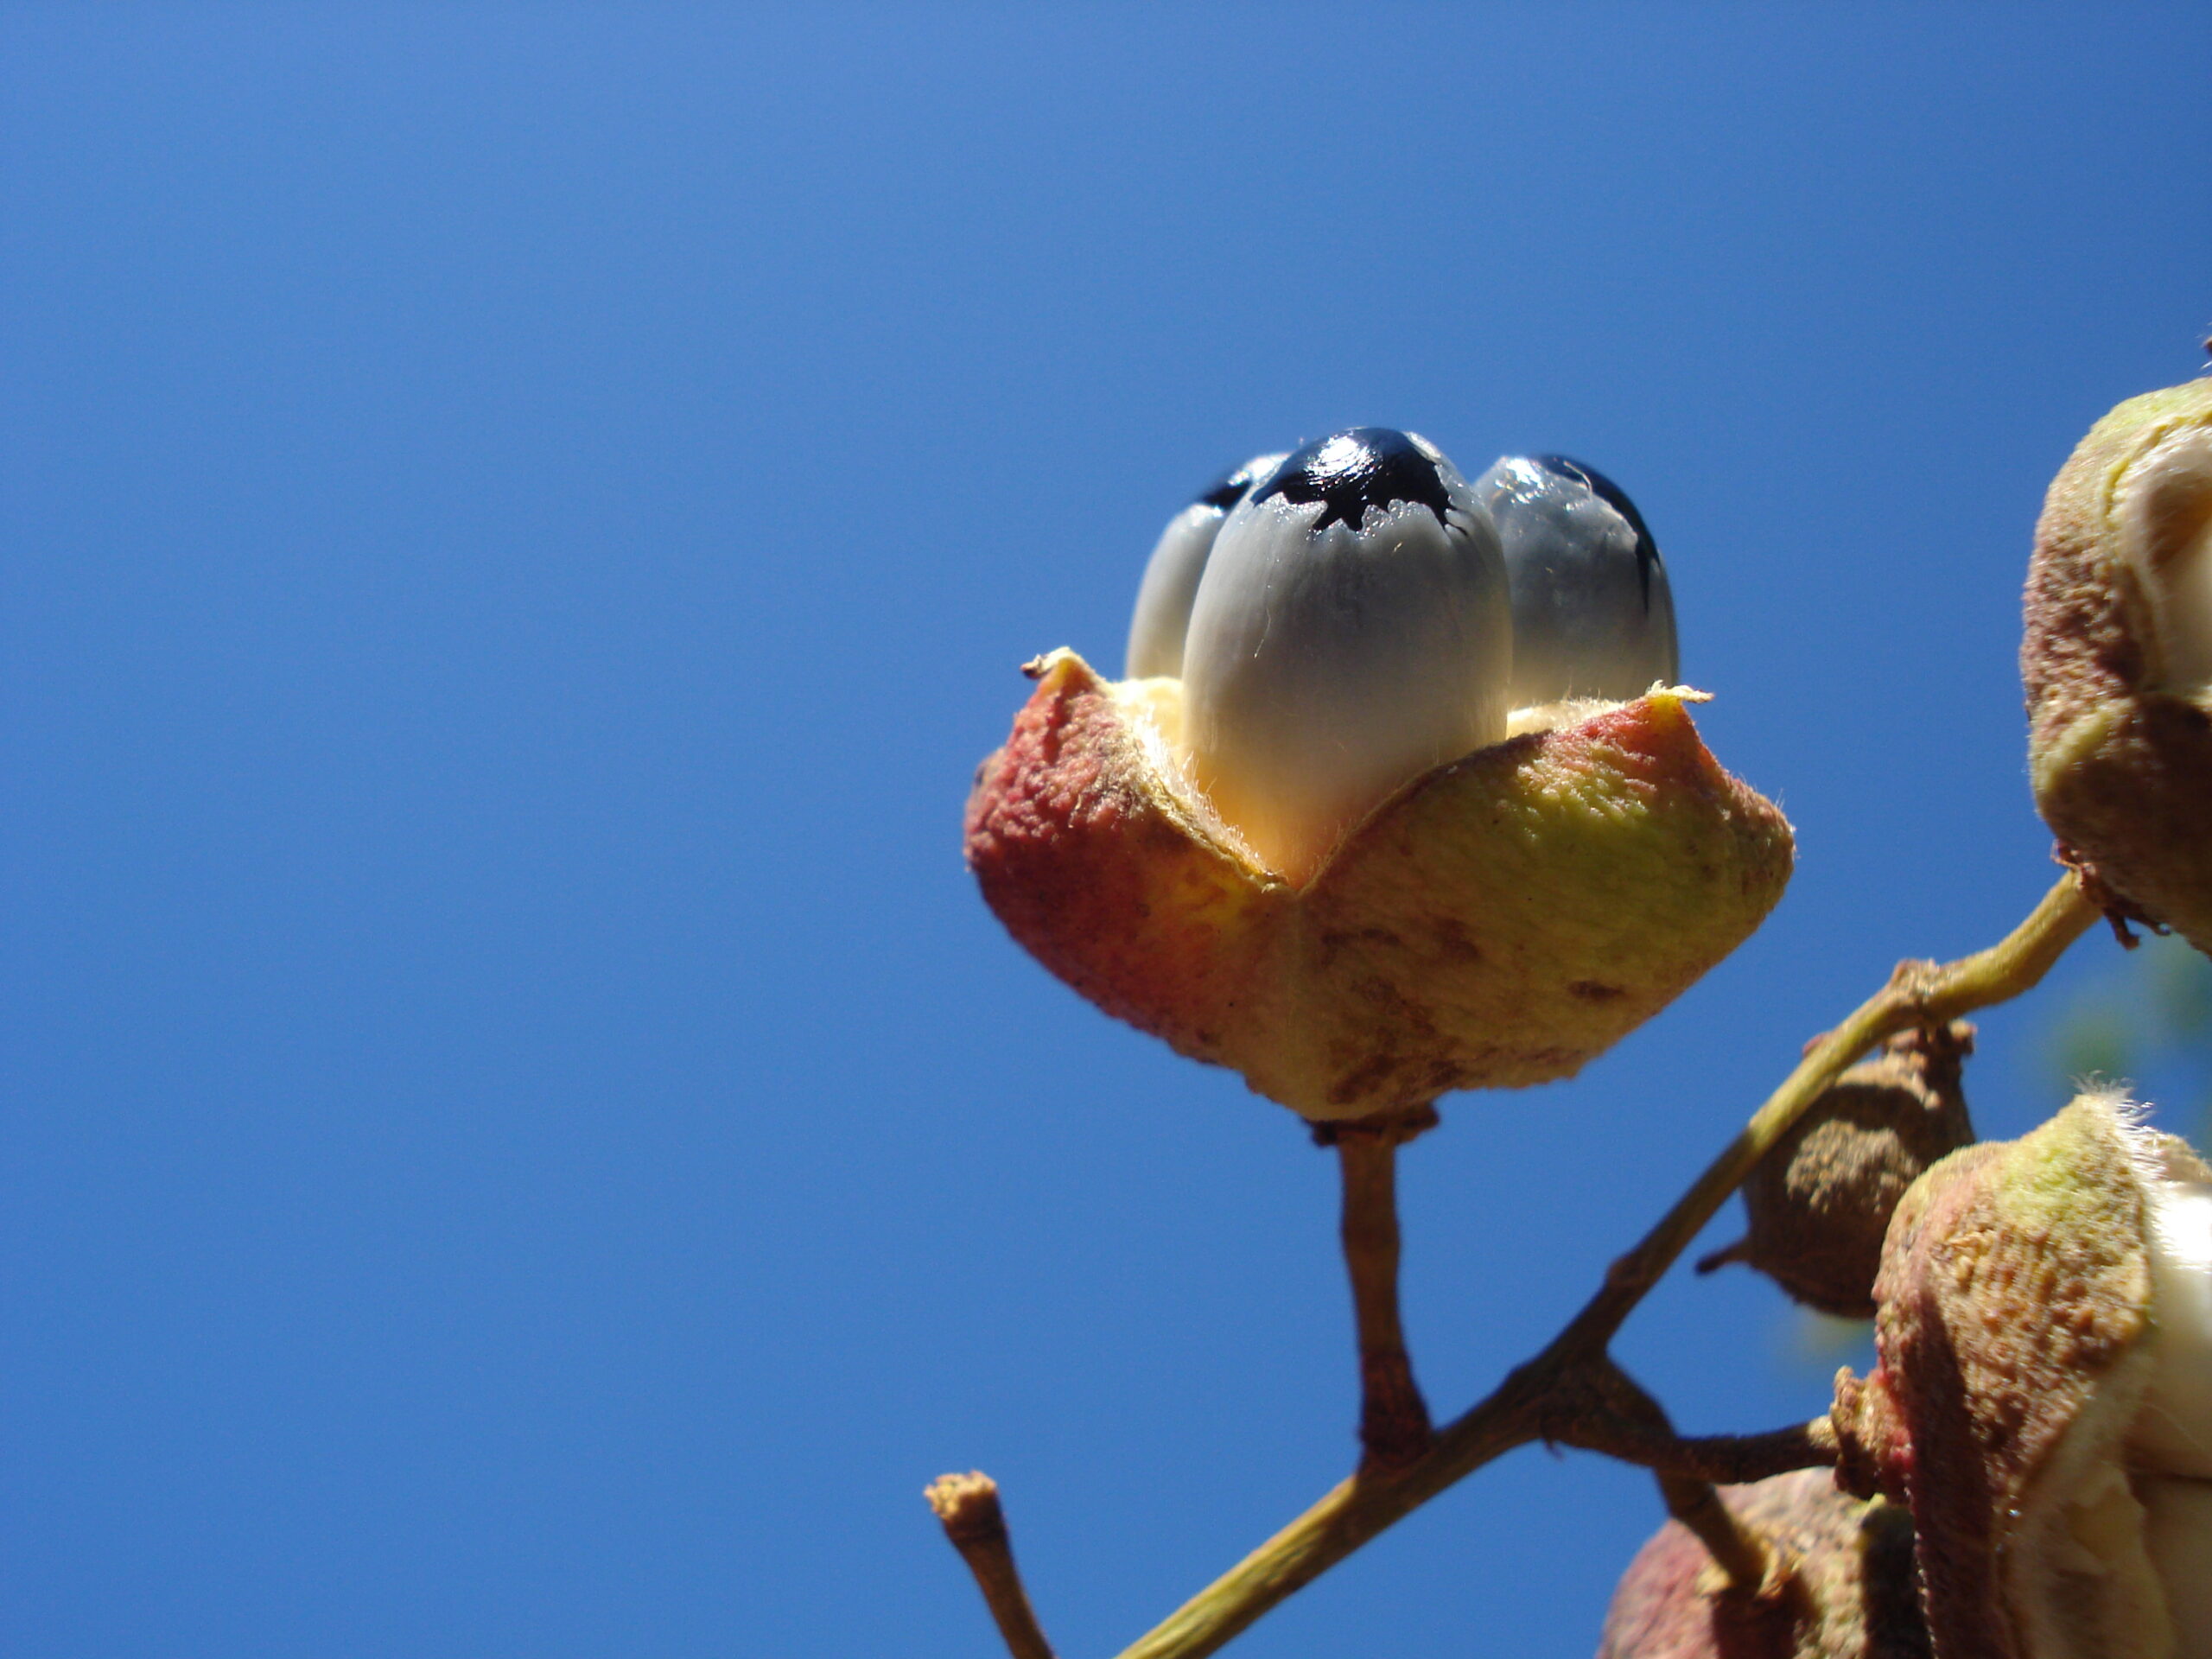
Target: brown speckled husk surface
(2122, 772)
(1819, 1203)
(1851, 1593)
(1498, 922)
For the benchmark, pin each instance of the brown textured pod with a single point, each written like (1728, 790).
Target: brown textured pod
(1497, 922)
(1850, 1590)
(2117, 658)
(1819, 1204)
(2014, 1410)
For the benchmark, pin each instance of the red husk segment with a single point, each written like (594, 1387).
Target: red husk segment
(1070, 841)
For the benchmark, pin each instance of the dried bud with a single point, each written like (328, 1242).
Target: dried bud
(2043, 1402)
(1851, 1593)
(1819, 1203)
(2117, 656)
(1318, 857)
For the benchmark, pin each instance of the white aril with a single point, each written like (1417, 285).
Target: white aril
(1351, 630)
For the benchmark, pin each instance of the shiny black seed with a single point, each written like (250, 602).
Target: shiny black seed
(1366, 466)
(1647, 550)
(1228, 492)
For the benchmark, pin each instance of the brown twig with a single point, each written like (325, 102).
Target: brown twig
(1598, 1407)
(1393, 1427)
(969, 1507)
(1610, 1413)
(1725, 1459)
(1918, 993)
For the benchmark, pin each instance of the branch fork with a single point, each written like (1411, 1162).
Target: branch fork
(1571, 1393)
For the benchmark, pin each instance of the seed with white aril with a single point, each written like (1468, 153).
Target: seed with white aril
(1171, 579)
(1351, 630)
(1592, 615)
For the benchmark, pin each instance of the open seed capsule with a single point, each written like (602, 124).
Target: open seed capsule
(2117, 658)
(1321, 866)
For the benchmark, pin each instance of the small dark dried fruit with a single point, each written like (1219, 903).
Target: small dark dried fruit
(1820, 1202)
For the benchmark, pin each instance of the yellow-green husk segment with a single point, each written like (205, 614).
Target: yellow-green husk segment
(2119, 757)
(1497, 922)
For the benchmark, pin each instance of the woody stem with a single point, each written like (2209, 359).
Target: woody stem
(968, 1508)
(1394, 1427)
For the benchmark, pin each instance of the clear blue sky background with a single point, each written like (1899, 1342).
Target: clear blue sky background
(520, 1138)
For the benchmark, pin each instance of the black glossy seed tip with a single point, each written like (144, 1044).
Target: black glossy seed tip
(1647, 550)
(1228, 490)
(1366, 466)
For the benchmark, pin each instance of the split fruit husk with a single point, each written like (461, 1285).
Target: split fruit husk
(2119, 613)
(1819, 1203)
(2012, 1411)
(1849, 1589)
(1497, 922)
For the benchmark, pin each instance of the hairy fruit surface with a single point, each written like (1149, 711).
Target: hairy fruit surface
(2042, 1401)
(1498, 921)
(1819, 1203)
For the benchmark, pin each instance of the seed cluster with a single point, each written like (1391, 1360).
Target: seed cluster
(1354, 613)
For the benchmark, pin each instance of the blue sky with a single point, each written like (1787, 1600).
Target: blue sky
(520, 1138)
